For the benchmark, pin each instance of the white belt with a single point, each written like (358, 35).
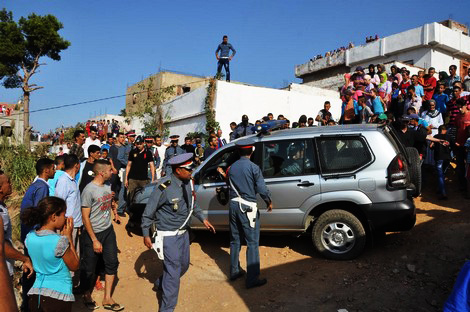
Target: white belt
(224, 57)
(171, 233)
(240, 200)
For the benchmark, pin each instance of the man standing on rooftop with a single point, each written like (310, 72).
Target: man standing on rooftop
(224, 58)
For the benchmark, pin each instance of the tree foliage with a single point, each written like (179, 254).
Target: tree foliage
(22, 45)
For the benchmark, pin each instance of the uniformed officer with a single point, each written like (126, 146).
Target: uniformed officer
(242, 129)
(246, 180)
(173, 150)
(170, 207)
(152, 148)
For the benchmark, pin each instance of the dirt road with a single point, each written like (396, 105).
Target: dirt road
(410, 271)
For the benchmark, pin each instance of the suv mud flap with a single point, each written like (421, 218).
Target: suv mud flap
(391, 216)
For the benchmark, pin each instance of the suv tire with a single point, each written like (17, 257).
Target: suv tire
(338, 235)
(414, 165)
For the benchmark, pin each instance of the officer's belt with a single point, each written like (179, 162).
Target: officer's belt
(171, 233)
(240, 200)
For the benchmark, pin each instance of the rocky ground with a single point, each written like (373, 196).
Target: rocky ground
(409, 271)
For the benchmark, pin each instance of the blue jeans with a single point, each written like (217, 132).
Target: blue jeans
(441, 167)
(226, 63)
(240, 229)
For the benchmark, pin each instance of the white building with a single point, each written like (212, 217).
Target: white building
(437, 45)
(232, 100)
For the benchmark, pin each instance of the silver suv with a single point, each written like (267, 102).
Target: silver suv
(342, 182)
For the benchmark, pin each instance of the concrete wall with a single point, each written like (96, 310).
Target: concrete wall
(185, 112)
(418, 44)
(16, 122)
(135, 97)
(233, 100)
(442, 60)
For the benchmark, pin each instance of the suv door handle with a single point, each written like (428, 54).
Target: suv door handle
(306, 183)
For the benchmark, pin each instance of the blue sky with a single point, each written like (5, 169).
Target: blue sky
(117, 43)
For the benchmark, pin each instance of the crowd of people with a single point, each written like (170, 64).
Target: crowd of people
(333, 53)
(67, 213)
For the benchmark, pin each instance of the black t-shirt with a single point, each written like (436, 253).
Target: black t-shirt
(87, 176)
(442, 152)
(139, 166)
(412, 138)
(189, 148)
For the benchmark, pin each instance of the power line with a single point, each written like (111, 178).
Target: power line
(102, 99)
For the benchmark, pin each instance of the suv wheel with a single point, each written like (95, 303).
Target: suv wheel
(415, 169)
(338, 235)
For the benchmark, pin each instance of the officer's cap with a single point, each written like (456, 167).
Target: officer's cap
(139, 139)
(244, 143)
(174, 137)
(182, 161)
(148, 138)
(131, 133)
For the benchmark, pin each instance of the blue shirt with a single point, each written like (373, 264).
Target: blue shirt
(423, 122)
(67, 189)
(35, 192)
(168, 195)
(441, 102)
(248, 180)
(225, 50)
(52, 182)
(419, 90)
(53, 278)
(377, 106)
(459, 299)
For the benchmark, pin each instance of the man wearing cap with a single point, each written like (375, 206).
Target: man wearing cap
(137, 168)
(246, 180)
(123, 157)
(152, 148)
(161, 153)
(173, 150)
(242, 129)
(170, 207)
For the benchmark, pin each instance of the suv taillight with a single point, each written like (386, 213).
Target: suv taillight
(398, 172)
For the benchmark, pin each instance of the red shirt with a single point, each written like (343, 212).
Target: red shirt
(463, 121)
(429, 82)
(404, 86)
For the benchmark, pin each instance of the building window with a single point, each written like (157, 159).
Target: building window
(186, 89)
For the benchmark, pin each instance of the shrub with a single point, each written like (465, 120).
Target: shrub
(18, 163)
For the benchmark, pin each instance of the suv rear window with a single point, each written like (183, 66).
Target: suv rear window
(342, 154)
(288, 158)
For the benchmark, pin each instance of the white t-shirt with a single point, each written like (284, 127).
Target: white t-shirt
(89, 142)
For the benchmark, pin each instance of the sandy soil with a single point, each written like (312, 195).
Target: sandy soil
(409, 271)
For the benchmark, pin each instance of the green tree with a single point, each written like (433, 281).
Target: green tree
(22, 45)
(151, 113)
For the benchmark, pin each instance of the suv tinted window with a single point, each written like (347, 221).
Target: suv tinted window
(224, 159)
(288, 158)
(343, 154)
